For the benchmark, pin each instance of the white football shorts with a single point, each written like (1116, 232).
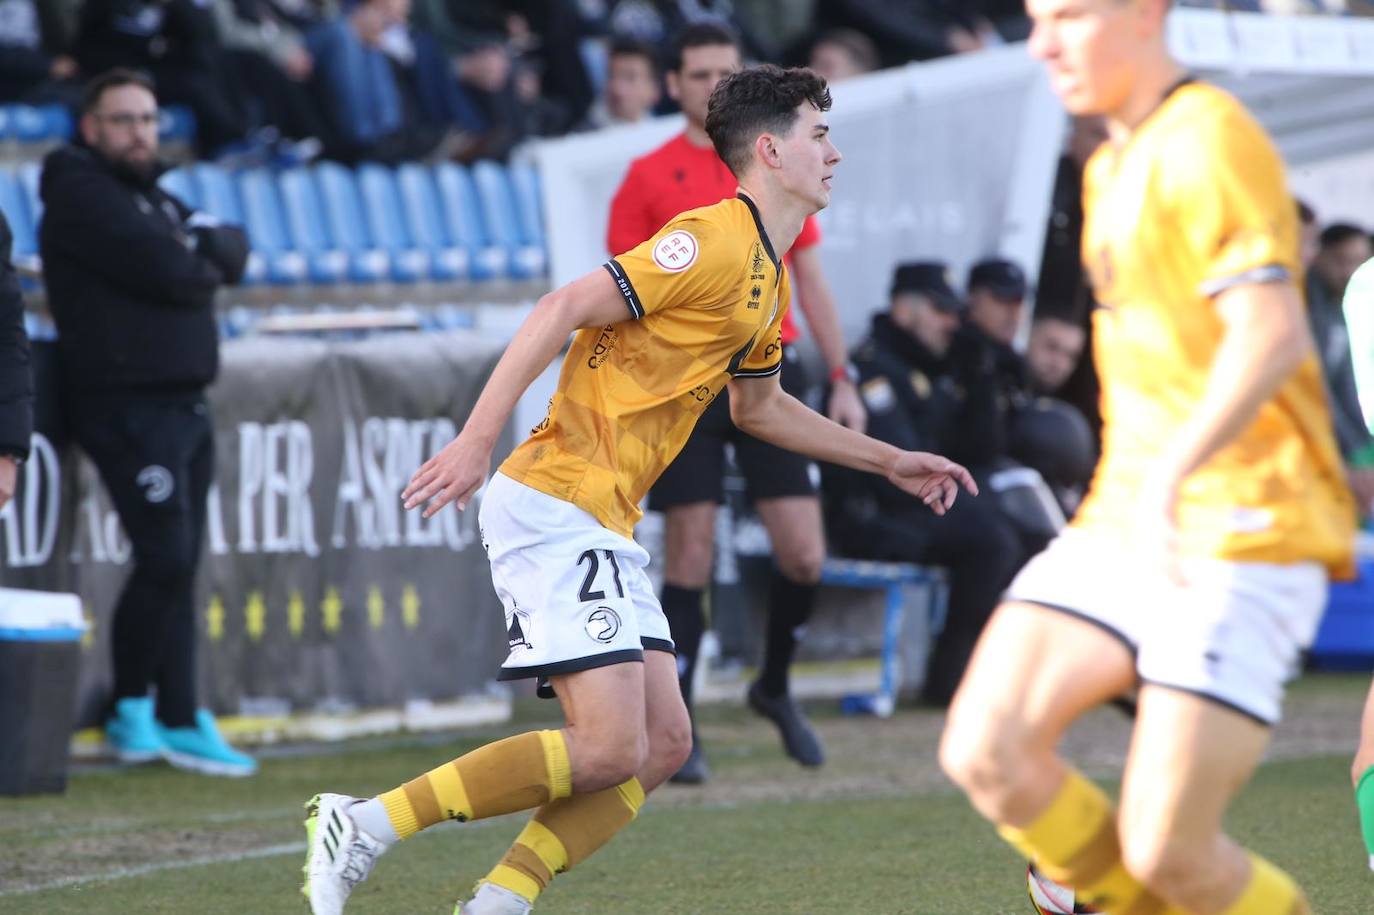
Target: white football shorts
(575, 593)
(1232, 633)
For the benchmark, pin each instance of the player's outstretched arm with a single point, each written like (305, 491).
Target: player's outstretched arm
(456, 472)
(762, 408)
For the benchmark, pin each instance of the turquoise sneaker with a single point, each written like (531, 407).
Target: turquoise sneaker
(132, 731)
(202, 749)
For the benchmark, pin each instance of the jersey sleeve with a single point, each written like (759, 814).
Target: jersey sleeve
(765, 358)
(689, 262)
(1232, 204)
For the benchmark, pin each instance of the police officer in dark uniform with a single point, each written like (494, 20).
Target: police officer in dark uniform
(915, 401)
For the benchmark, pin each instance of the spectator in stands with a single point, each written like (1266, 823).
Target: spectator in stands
(1342, 249)
(683, 174)
(16, 379)
(659, 22)
(1052, 353)
(36, 66)
(632, 86)
(1310, 243)
(273, 66)
(371, 108)
(907, 30)
(177, 44)
(131, 274)
(843, 53)
(914, 400)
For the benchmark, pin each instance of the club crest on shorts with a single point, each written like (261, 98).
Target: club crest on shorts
(517, 629)
(603, 625)
(157, 483)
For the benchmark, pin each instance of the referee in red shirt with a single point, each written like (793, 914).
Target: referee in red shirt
(683, 174)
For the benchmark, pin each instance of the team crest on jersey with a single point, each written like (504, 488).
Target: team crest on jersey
(676, 251)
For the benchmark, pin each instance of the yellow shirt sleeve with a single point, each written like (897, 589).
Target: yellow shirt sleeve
(1231, 201)
(690, 261)
(765, 358)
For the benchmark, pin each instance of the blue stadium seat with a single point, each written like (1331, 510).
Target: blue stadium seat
(347, 227)
(466, 227)
(386, 223)
(425, 221)
(176, 124)
(6, 123)
(524, 179)
(15, 205)
(305, 224)
(220, 198)
(262, 214)
(28, 174)
(178, 183)
(503, 220)
(36, 123)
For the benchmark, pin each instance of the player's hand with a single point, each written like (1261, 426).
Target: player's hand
(452, 475)
(1156, 525)
(846, 407)
(932, 479)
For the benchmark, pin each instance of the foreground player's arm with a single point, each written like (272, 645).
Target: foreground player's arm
(760, 407)
(823, 319)
(456, 472)
(1265, 341)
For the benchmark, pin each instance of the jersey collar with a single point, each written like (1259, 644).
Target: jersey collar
(758, 224)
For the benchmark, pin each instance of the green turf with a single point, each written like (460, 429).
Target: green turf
(885, 846)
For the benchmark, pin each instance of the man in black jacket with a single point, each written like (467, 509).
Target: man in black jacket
(915, 401)
(16, 380)
(131, 274)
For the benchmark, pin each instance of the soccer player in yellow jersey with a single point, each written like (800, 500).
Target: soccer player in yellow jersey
(1197, 568)
(661, 331)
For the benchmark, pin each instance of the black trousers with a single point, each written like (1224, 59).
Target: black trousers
(155, 455)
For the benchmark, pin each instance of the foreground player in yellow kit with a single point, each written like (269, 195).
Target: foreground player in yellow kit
(1197, 566)
(663, 329)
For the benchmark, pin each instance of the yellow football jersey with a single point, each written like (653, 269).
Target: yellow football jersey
(705, 299)
(1196, 203)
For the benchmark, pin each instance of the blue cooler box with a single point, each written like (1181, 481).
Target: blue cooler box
(1345, 640)
(40, 658)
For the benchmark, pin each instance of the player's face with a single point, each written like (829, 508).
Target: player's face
(808, 158)
(1090, 48)
(123, 127)
(702, 70)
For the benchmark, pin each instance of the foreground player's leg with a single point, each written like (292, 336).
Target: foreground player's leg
(795, 531)
(602, 748)
(567, 831)
(1034, 671)
(1189, 756)
(1362, 775)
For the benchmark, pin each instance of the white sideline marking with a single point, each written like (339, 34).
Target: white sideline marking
(271, 851)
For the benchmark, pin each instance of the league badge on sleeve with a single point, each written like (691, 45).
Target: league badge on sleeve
(676, 251)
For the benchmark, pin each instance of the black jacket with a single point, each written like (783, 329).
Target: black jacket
(16, 377)
(130, 284)
(996, 384)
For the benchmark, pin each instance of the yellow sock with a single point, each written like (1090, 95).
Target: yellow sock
(520, 772)
(564, 833)
(1074, 842)
(1269, 892)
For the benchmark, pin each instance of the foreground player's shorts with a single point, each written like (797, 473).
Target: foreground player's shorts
(1232, 634)
(575, 593)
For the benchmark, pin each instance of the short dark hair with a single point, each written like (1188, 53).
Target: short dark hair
(622, 46)
(762, 99)
(701, 35)
(1338, 233)
(111, 79)
(1306, 215)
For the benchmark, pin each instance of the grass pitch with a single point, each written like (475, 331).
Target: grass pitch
(877, 831)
